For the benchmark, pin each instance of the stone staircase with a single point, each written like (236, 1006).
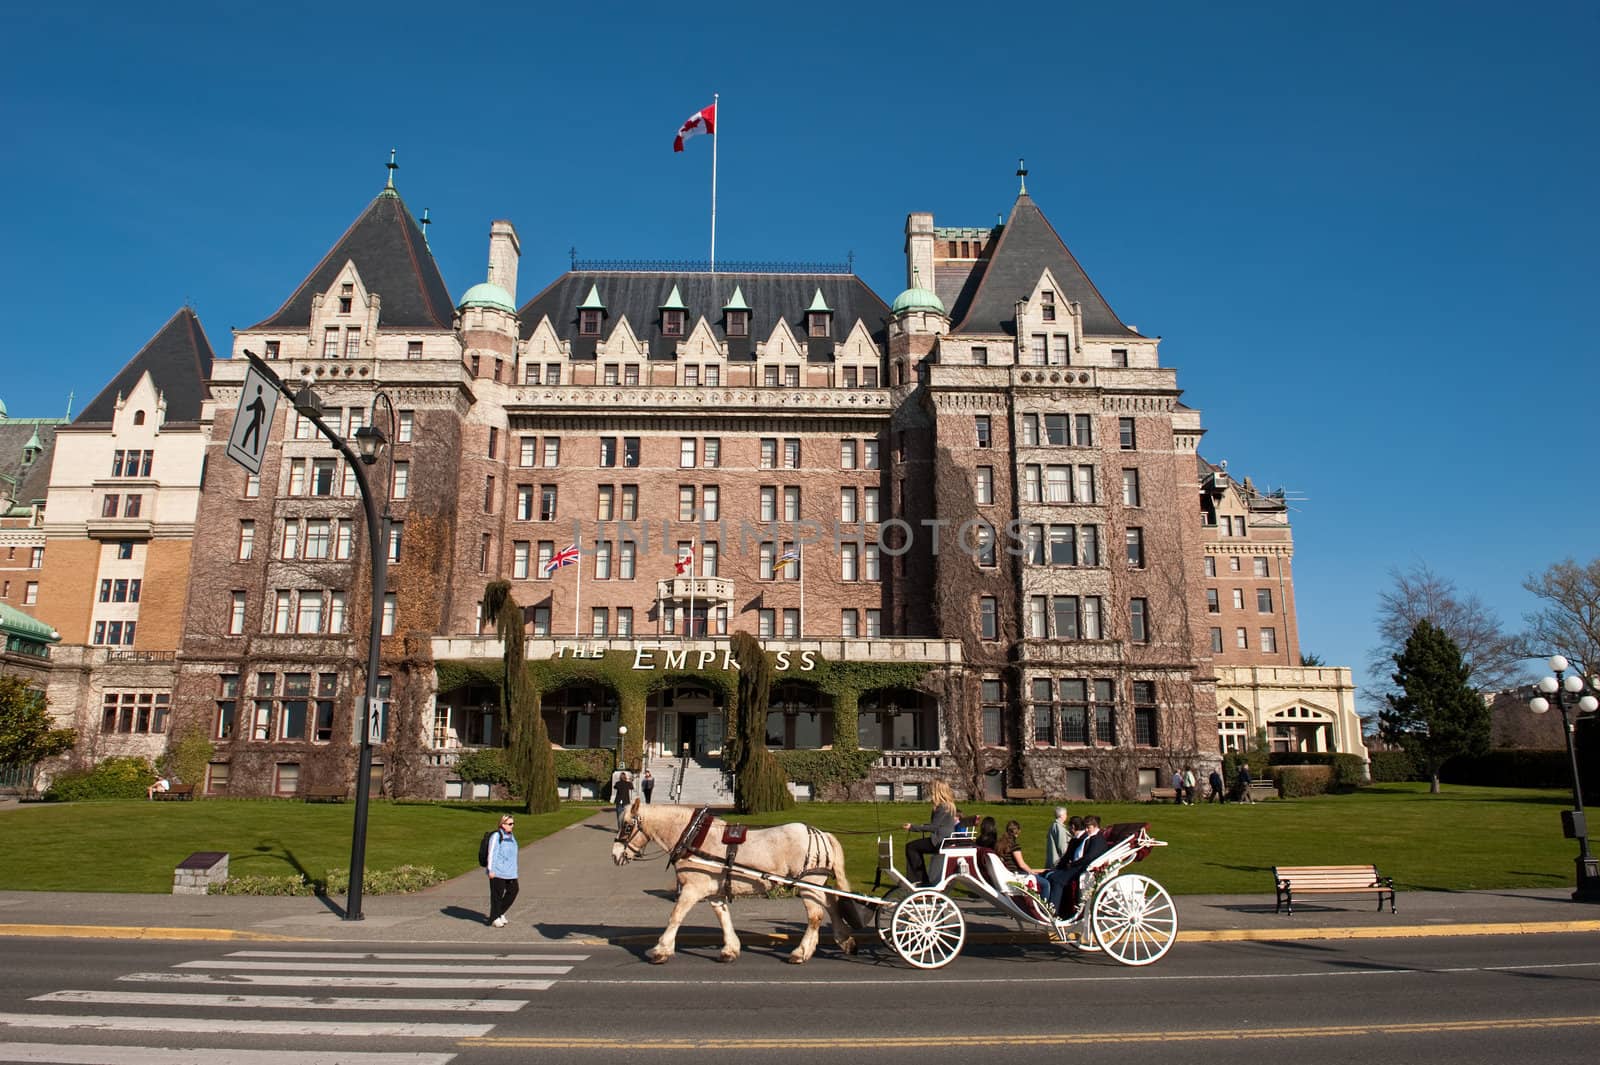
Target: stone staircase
(703, 785)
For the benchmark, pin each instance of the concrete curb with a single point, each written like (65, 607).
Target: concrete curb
(89, 931)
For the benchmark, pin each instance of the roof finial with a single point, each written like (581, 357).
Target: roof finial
(393, 166)
(70, 395)
(425, 224)
(1022, 175)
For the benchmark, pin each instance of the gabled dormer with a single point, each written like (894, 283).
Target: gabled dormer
(674, 317)
(819, 318)
(344, 317)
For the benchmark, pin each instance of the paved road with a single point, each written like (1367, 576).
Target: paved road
(1456, 1000)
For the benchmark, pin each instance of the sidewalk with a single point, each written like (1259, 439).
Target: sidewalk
(572, 893)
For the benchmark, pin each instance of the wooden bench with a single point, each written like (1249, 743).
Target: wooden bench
(1163, 794)
(178, 792)
(329, 793)
(1024, 795)
(1330, 880)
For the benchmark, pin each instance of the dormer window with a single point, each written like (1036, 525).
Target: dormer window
(738, 323)
(272, 349)
(672, 323)
(1047, 305)
(819, 323)
(589, 323)
(347, 294)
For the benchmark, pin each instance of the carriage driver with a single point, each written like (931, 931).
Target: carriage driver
(941, 825)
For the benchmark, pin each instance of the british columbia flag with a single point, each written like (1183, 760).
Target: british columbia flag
(567, 556)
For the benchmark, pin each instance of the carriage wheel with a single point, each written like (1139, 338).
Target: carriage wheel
(927, 929)
(1133, 919)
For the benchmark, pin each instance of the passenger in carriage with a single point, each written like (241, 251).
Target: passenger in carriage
(1010, 850)
(940, 826)
(1084, 850)
(988, 834)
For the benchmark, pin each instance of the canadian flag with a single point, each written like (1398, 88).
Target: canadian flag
(702, 121)
(685, 563)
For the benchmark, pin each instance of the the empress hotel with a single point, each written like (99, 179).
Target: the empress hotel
(973, 526)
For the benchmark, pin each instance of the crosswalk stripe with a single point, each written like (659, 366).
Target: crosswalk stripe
(374, 980)
(297, 1002)
(378, 967)
(247, 1026)
(83, 1054)
(392, 956)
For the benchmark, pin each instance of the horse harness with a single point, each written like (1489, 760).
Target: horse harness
(699, 827)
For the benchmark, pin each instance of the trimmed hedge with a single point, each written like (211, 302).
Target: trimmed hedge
(1349, 771)
(488, 765)
(114, 778)
(401, 880)
(1393, 767)
(1510, 768)
(1299, 781)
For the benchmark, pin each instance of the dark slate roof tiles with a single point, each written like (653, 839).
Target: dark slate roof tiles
(640, 296)
(30, 481)
(388, 249)
(1029, 245)
(178, 359)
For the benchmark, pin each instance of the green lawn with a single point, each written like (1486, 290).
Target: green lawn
(1465, 838)
(133, 845)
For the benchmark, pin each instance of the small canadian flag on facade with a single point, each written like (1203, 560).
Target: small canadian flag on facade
(702, 121)
(685, 562)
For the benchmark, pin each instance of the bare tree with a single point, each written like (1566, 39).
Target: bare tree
(1569, 624)
(1420, 594)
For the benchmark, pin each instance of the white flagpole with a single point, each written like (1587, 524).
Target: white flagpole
(800, 570)
(715, 129)
(694, 561)
(577, 600)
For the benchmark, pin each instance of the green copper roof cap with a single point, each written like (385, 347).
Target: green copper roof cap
(819, 304)
(488, 294)
(918, 299)
(2, 408)
(674, 301)
(592, 302)
(735, 303)
(16, 622)
(33, 442)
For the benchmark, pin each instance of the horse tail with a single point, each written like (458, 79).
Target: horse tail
(836, 858)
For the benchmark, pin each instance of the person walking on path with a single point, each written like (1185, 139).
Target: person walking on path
(622, 794)
(1177, 786)
(1190, 786)
(1057, 839)
(1215, 783)
(1243, 783)
(647, 786)
(502, 870)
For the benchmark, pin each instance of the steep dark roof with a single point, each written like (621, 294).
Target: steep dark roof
(1029, 245)
(178, 359)
(387, 247)
(30, 481)
(639, 297)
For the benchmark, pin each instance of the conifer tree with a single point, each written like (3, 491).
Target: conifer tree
(1434, 713)
(530, 761)
(759, 783)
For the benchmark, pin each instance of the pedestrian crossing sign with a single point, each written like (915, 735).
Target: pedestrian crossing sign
(252, 421)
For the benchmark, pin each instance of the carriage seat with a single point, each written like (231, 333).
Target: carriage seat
(992, 868)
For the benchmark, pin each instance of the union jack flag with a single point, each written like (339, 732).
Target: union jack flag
(567, 556)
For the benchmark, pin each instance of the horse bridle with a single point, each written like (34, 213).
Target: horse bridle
(631, 830)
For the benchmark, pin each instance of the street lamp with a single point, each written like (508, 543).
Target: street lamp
(371, 441)
(1560, 685)
(622, 744)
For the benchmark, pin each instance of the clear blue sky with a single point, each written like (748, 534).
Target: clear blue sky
(1366, 231)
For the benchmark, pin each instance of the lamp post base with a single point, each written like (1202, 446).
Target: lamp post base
(1588, 889)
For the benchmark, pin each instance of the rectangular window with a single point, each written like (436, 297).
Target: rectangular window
(1144, 713)
(1263, 600)
(988, 617)
(338, 622)
(1139, 621)
(1091, 618)
(1063, 545)
(630, 374)
(874, 624)
(847, 454)
(766, 622)
(109, 505)
(602, 560)
(309, 618)
(396, 534)
(588, 323)
(1119, 356)
(319, 537)
(608, 451)
(1130, 488)
(291, 538)
(1212, 605)
(630, 451)
(791, 504)
(1044, 712)
(236, 616)
(992, 692)
(1032, 490)
(217, 778)
(849, 561)
(630, 502)
(874, 562)
(1036, 349)
(850, 379)
(1216, 641)
(847, 506)
(1038, 617)
(1269, 640)
(1125, 434)
(1241, 639)
(413, 349)
(1135, 539)
(30, 593)
(611, 374)
(769, 377)
(1058, 484)
(686, 508)
(737, 323)
(1261, 566)
(711, 452)
(344, 539)
(791, 623)
(406, 420)
(330, 343)
(1059, 348)
(983, 485)
(791, 454)
(322, 472)
(869, 454)
(1238, 599)
(710, 503)
(527, 450)
(390, 608)
(402, 480)
(627, 552)
(688, 448)
(605, 501)
(352, 343)
(869, 504)
(547, 502)
(280, 612)
(1056, 432)
(519, 560)
(1105, 713)
(1084, 489)
(984, 430)
(247, 540)
(850, 623)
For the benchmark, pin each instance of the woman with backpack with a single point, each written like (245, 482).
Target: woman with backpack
(501, 865)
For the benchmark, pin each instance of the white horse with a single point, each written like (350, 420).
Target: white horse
(793, 850)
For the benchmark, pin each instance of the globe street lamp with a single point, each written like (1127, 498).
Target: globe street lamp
(622, 744)
(371, 443)
(1561, 685)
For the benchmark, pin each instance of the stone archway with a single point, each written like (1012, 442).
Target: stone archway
(897, 719)
(799, 717)
(1233, 729)
(1301, 729)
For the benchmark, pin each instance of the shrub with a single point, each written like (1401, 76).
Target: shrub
(188, 757)
(1349, 772)
(483, 766)
(114, 778)
(1510, 768)
(585, 763)
(1299, 781)
(1393, 767)
(289, 884)
(401, 880)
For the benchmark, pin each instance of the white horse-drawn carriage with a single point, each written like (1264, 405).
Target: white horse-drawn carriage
(1123, 914)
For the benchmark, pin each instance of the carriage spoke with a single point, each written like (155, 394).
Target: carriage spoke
(927, 929)
(1133, 919)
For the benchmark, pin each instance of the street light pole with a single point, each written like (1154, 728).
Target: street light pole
(371, 441)
(1573, 821)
